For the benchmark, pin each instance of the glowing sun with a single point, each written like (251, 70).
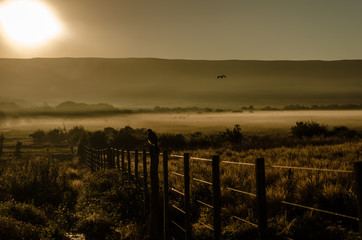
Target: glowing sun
(28, 22)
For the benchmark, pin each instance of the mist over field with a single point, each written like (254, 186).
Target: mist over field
(147, 82)
(258, 122)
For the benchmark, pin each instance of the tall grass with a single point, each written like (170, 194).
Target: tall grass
(323, 190)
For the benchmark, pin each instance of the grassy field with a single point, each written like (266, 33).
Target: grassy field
(47, 192)
(326, 191)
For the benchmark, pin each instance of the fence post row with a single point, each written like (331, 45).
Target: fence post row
(98, 159)
(102, 157)
(155, 203)
(109, 158)
(145, 185)
(261, 197)
(122, 158)
(358, 185)
(113, 159)
(136, 164)
(117, 153)
(216, 196)
(187, 196)
(129, 163)
(165, 196)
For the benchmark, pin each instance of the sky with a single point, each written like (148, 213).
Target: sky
(201, 29)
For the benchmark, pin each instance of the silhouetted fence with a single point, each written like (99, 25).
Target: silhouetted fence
(128, 162)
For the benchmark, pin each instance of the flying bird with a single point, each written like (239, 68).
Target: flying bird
(152, 139)
(221, 76)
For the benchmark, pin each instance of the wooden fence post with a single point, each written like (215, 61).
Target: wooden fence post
(136, 165)
(99, 160)
(155, 204)
(129, 163)
(165, 196)
(358, 186)
(102, 159)
(122, 158)
(187, 196)
(261, 197)
(216, 196)
(145, 185)
(109, 158)
(117, 153)
(113, 159)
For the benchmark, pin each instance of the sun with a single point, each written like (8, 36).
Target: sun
(28, 22)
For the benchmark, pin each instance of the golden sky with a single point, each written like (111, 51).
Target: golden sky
(200, 29)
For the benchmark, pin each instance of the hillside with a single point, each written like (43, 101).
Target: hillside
(149, 82)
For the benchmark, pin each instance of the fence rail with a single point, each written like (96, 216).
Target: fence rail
(136, 165)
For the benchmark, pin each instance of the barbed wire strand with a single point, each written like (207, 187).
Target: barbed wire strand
(320, 210)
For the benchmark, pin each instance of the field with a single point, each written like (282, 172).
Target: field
(94, 204)
(257, 122)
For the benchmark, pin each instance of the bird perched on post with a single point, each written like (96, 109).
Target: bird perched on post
(221, 76)
(152, 139)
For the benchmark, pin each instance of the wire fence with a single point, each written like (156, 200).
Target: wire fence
(143, 165)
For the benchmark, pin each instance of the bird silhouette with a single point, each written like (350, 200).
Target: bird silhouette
(221, 76)
(152, 139)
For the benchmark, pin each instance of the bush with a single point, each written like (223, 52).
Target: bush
(39, 137)
(344, 132)
(95, 226)
(56, 136)
(10, 228)
(23, 212)
(129, 138)
(98, 139)
(172, 141)
(107, 200)
(309, 129)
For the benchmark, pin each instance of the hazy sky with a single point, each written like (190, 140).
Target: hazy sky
(202, 29)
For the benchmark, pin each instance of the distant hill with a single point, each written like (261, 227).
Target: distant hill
(148, 82)
(72, 107)
(10, 107)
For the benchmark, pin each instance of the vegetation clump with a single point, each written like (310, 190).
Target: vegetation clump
(108, 203)
(311, 129)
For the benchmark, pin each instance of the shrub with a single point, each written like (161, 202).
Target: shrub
(172, 141)
(95, 226)
(39, 137)
(98, 139)
(129, 138)
(56, 136)
(107, 200)
(74, 136)
(234, 136)
(23, 212)
(10, 228)
(344, 132)
(309, 129)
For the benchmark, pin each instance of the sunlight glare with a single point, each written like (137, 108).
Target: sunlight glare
(28, 22)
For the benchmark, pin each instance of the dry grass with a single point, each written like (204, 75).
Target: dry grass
(324, 190)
